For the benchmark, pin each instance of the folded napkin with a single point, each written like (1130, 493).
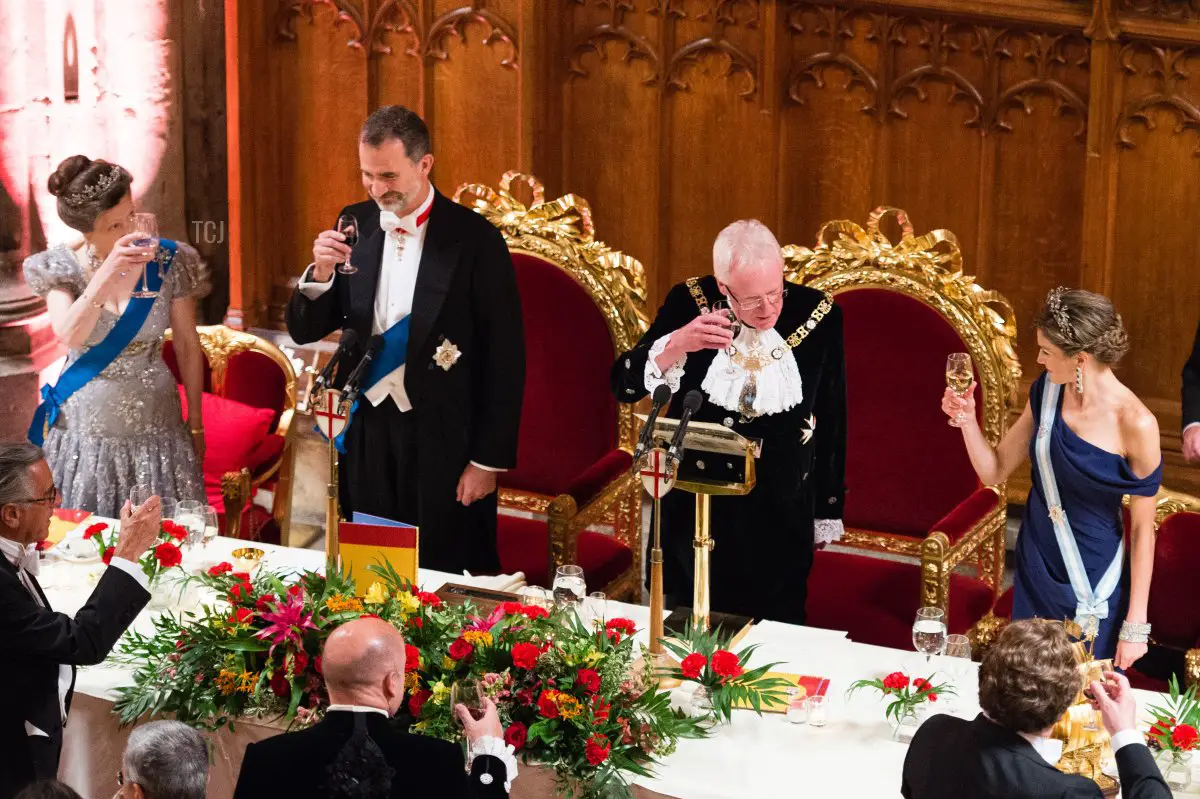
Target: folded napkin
(499, 582)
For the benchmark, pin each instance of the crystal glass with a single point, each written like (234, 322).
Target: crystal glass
(958, 646)
(189, 514)
(929, 632)
(569, 586)
(538, 597)
(211, 525)
(797, 709)
(597, 603)
(168, 508)
(146, 228)
(959, 374)
(722, 307)
(470, 693)
(818, 707)
(139, 494)
(347, 225)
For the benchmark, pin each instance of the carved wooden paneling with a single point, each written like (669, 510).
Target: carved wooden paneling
(1057, 138)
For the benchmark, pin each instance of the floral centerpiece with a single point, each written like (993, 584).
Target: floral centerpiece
(1174, 733)
(569, 695)
(905, 696)
(724, 681)
(164, 555)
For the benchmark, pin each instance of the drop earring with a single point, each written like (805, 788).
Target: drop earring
(1079, 380)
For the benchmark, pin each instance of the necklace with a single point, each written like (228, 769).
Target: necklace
(753, 360)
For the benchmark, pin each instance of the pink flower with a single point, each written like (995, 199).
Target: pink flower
(287, 622)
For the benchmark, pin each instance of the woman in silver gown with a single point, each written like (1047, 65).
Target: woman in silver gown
(124, 427)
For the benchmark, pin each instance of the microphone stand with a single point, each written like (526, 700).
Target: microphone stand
(333, 557)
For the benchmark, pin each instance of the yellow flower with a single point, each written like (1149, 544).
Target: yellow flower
(408, 603)
(448, 663)
(593, 658)
(412, 681)
(376, 594)
(246, 682)
(477, 637)
(440, 691)
(226, 682)
(338, 603)
(568, 706)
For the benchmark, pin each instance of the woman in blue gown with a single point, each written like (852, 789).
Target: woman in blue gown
(1090, 441)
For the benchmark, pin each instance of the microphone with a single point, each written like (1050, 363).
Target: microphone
(351, 389)
(349, 337)
(691, 404)
(662, 395)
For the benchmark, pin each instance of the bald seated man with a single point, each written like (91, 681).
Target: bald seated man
(356, 750)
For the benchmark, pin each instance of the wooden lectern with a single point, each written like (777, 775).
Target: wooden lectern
(716, 460)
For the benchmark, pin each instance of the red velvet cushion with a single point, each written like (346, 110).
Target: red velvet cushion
(1174, 605)
(876, 600)
(250, 377)
(524, 546)
(905, 467)
(585, 487)
(233, 432)
(968, 514)
(569, 415)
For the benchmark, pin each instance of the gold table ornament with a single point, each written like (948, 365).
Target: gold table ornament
(247, 559)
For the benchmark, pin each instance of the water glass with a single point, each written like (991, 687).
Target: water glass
(797, 709)
(958, 646)
(598, 605)
(189, 514)
(929, 632)
(139, 494)
(817, 709)
(211, 526)
(569, 586)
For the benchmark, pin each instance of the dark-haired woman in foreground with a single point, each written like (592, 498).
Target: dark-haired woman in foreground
(112, 419)
(1091, 440)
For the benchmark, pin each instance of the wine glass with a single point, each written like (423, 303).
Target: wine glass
(139, 494)
(145, 226)
(569, 586)
(959, 374)
(929, 632)
(598, 605)
(189, 514)
(735, 324)
(211, 525)
(468, 692)
(347, 225)
(958, 650)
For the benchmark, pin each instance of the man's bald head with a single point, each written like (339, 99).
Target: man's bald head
(363, 664)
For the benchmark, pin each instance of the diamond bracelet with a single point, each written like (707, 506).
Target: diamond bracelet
(1134, 632)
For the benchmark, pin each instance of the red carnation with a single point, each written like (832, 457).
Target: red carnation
(240, 592)
(1162, 729)
(280, 684)
(511, 608)
(524, 656)
(621, 625)
(294, 590)
(896, 681)
(241, 616)
(588, 680)
(107, 556)
(221, 568)
(174, 529)
(596, 750)
(265, 602)
(932, 697)
(429, 599)
(93, 529)
(532, 612)
(546, 705)
(168, 555)
(725, 665)
(299, 661)
(600, 711)
(412, 658)
(417, 701)
(920, 684)
(525, 696)
(461, 649)
(693, 665)
(1184, 737)
(515, 735)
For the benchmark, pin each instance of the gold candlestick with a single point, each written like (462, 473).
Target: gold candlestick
(703, 546)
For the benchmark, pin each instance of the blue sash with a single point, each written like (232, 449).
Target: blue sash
(96, 359)
(390, 358)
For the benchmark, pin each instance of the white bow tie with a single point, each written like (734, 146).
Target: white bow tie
(390, 223)
(27, 560)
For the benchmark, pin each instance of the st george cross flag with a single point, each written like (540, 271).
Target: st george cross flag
(372, 540)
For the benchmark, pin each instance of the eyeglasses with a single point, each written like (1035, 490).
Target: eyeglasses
(49, 498)
(754, 303)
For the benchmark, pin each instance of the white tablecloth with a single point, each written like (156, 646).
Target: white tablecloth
(753, 757)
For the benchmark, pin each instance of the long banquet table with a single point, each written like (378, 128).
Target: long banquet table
(752, 757)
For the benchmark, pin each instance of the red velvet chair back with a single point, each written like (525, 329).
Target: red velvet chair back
(905, 466)
(569, 417)
(1174, 604)
(250, 377)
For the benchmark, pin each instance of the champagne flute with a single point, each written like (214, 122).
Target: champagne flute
(468, 692)
(929, 632)
(959, 374)
(145, 226)
(347, 225)
(569, 586)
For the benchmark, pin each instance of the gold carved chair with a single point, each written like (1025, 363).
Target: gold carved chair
(572, 497)
(249, 403)
(911, 490)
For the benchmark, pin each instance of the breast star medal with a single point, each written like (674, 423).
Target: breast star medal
(807, 430)
(446, 355)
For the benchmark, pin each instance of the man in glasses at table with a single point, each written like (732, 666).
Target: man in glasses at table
(768, 358)
(39, 648)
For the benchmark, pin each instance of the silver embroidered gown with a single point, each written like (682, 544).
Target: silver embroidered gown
(125, 426)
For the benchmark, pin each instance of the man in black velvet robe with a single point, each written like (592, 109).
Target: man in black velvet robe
(774, 372)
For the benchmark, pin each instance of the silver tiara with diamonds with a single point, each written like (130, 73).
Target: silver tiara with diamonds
(89, 193)
(1058, 310)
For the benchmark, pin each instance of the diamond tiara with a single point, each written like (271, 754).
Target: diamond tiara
(103, 184)
(1059, 311)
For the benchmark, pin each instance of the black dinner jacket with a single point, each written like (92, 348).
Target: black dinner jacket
(952, 758)
(34, 641)
(1191, 384)
(466, 293)
(293, 765)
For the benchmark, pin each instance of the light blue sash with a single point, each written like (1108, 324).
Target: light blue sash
(1091, 604)
(390, 358)
(96, 359)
